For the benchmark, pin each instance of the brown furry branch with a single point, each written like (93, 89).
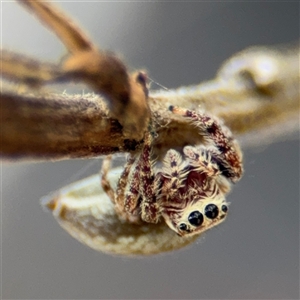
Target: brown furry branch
(256, 93)
(258, 105)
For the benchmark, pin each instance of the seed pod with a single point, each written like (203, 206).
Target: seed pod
(85, 212)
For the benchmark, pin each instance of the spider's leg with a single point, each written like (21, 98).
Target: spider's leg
(149, 205)
(104, 180)
(227, 154)
(118, 197)
(127, 189)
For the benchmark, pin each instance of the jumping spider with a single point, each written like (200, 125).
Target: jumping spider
(189, 189)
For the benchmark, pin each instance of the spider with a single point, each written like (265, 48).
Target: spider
(188, 189)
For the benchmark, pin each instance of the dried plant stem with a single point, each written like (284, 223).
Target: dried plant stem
(258, 107)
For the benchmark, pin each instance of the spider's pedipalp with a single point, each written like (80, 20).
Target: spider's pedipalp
(173, 165)
(201, 159)
(173, 173)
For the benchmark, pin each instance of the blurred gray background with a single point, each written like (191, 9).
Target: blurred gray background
(253, 255)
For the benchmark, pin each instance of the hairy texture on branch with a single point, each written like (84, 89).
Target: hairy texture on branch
(256, 93)
(59, 127)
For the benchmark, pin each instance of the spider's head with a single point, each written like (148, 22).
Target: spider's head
(198, 216)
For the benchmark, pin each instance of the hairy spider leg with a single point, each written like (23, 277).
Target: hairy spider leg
(118, 197)
(147, 183)
(125, 181)
(228, 155)
(128, 190)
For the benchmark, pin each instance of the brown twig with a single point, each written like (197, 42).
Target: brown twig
(76, 126)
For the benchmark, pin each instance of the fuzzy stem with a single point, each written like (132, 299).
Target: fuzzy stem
(259, 108)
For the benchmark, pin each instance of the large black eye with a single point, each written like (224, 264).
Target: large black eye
(196, 218)
(211, 211)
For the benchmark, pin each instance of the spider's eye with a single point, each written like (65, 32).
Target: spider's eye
(183, 227)
(224, 208)
(195, 218)
(142, 78)
(211, 211)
